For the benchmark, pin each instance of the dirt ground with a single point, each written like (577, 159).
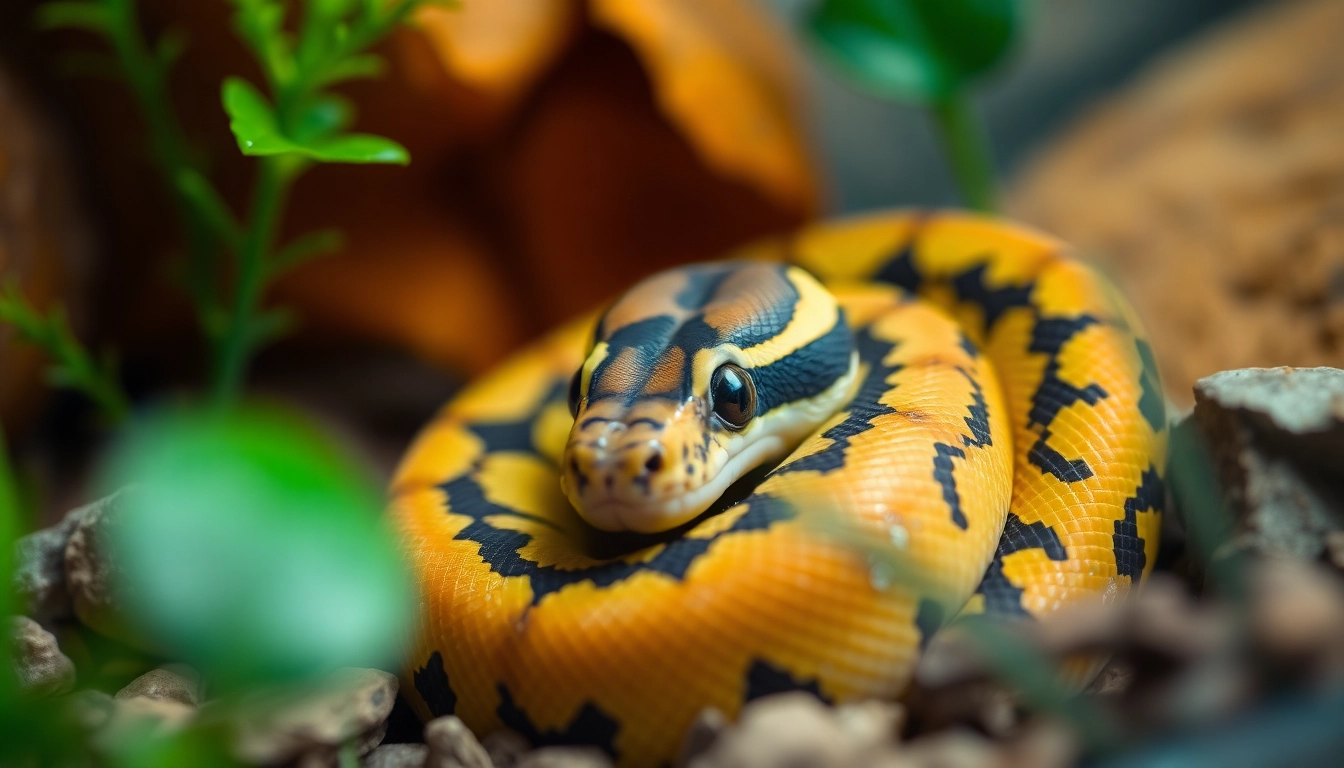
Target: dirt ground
(1212, 189)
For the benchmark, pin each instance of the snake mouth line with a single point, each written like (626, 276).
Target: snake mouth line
(610, 545)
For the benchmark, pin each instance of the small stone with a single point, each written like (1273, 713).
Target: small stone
(279, 726)
(180, 684)
(90, 571)
(1297, 616)
(701, 736)
(948, 749)
(38, 662)
(91, 709)
(1114, 679)
(566, 757)
(505, 747)
(871, 723)
(1044, 744)
(39, 568)
(453, 745)
(141, 718)
(397, 756)
(793, 730)
(1273, 434)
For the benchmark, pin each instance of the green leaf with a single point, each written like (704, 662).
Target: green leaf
(916, 50)
(252, 120)
(211, 207)
(353, 68)
(305, 247)
(254, 549)
(257, 132)
(270, 325)
(74, 15)
(170, 46)
(360, 148)
(324, 116)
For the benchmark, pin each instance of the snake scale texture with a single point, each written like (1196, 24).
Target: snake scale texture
(788, 470)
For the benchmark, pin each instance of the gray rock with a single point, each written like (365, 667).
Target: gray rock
(178, 683)
(397, 756)
(140, 719)
(1276, 436)
(91, 709)
(38, 662)
(566, 757)
(505, 747)
(39, 568)
(90, 570)
(452, 745)
(796, 730)
(280, 726)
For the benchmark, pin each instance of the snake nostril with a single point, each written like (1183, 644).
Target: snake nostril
(654, 462)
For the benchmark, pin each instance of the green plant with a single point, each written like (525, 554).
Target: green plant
(252, 549)
(296, 122)
(928, 52)
(71, 364)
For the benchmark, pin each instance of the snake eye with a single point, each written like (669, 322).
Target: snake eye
(732, 395)
(575, 393)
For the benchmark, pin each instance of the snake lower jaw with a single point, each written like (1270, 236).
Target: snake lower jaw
(647, 513)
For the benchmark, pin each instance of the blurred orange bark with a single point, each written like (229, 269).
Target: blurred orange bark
(560, 151)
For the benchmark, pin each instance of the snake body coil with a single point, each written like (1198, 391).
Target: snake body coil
(960, 397)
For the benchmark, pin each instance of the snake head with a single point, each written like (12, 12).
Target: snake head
(697, 376)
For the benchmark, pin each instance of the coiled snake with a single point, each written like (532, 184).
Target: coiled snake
(960, 394)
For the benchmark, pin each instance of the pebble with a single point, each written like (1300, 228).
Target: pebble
(176, 683)
(39, 567)
(505, 747)
(38, 662)
(277, 727)
(452, 745)
(566, 757)
(397, 756)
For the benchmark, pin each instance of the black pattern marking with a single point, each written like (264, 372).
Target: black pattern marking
(431, 682)
(978, 420)
(969, 347)
(970, 286)
(1130, 558)
(764, 678)
(807, 371)
(651, 339)
(1001, 597)
(499, 547)
(1049, 336)
(929, 619)
(701, 285)
(900, 270)
(1151, 404)
(863, 409)
(590, 726)
(515, 436)
(942, 473)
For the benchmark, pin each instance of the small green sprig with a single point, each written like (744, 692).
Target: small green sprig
(71, 367)
(927, 52)
(293, 122)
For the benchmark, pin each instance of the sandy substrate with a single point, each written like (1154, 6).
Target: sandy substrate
(1213, 190)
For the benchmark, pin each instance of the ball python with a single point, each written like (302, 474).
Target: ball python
(785, 470)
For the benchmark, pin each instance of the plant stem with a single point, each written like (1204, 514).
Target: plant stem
(147, 77)
(267, 199)
(967, 150)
